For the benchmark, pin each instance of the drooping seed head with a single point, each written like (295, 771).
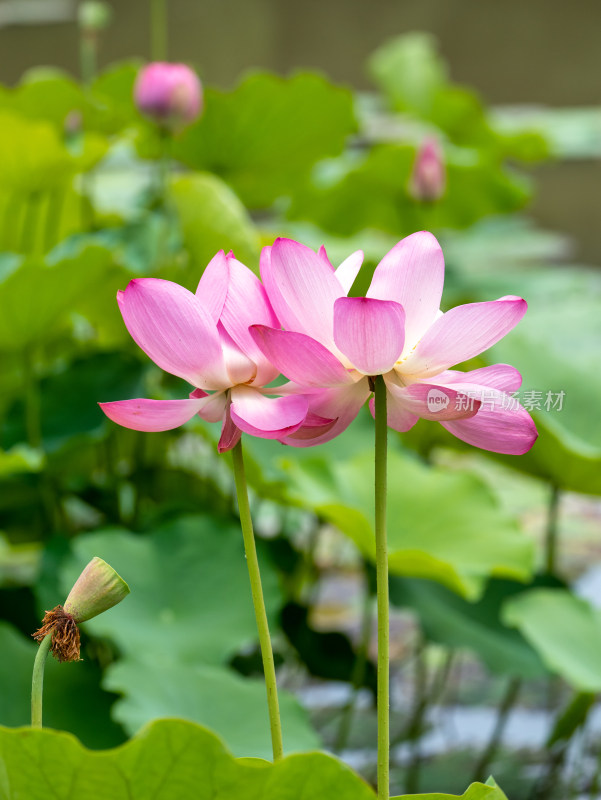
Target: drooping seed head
(97, 589)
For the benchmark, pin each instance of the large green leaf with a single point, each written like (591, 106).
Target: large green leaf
(36, 294)
(264, 136)
(33, 157)
(554, 347)
(168, 760)
(20, 459)
(216, 697)
(565, 630)
(414, 79)
(373, 192)
(476, 791)
(69, 399)
(443, 526)
(454, 622)
(44, 93)
(181, 577)
(73, 699)
(112, 95)
(212, 219)
(172, 760)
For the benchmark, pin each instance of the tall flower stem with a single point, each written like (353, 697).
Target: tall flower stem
(37, 683)
(551, 531)
(359, 668)
(508, 701)
(383, 697)
(258, 602)
(158, 30)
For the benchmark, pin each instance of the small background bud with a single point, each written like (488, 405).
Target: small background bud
(73, 123)
(429, 177)
(97, 589)
(170, 94)
(94, 15)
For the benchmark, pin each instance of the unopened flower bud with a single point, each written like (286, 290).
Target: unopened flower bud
(97, 589)
(170, 94)
(94, 15)
(73, 123)
(428, 178)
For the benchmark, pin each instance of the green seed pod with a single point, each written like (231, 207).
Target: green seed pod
(97, 589)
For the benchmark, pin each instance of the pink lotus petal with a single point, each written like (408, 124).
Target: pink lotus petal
(348, 270)
(323, 254)
(174, 330)
(240, 368)
(300, 358)
(312, 428)
(462, 333)
(501, 424)
(213, 409)
(412, 274)
(497, 376)
(269, 418)
(432, 401)
(398, 417)
(152, 415)
(212, 287)
(341, 403)
(369, 332)
(302, 289)
(246, 304)
(230, 434)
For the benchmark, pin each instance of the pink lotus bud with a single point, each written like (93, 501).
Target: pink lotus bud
(73, 123)
(170, 94)
(429, 177)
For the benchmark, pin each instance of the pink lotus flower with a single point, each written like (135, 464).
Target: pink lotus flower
(333, 345)
(204, 338)
(428, 178)
(170, 94)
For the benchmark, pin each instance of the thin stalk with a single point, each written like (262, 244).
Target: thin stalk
(383, 695)
(551, 532)
(54, 211)
(258, 602)
(37, 682)
(507, 703)
(442, 678)
(33, 424)
(163, 167)
(416, 723)
(358, 673)
(30, 223)
(158, 30)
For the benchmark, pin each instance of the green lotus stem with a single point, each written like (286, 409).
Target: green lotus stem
(359, 670)
(383, 695)
(551, 532)
(418, 715)
(258, 602)
(30, 222)
(514, 684)
(33, 425)
(37, 682)
(158, 30)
